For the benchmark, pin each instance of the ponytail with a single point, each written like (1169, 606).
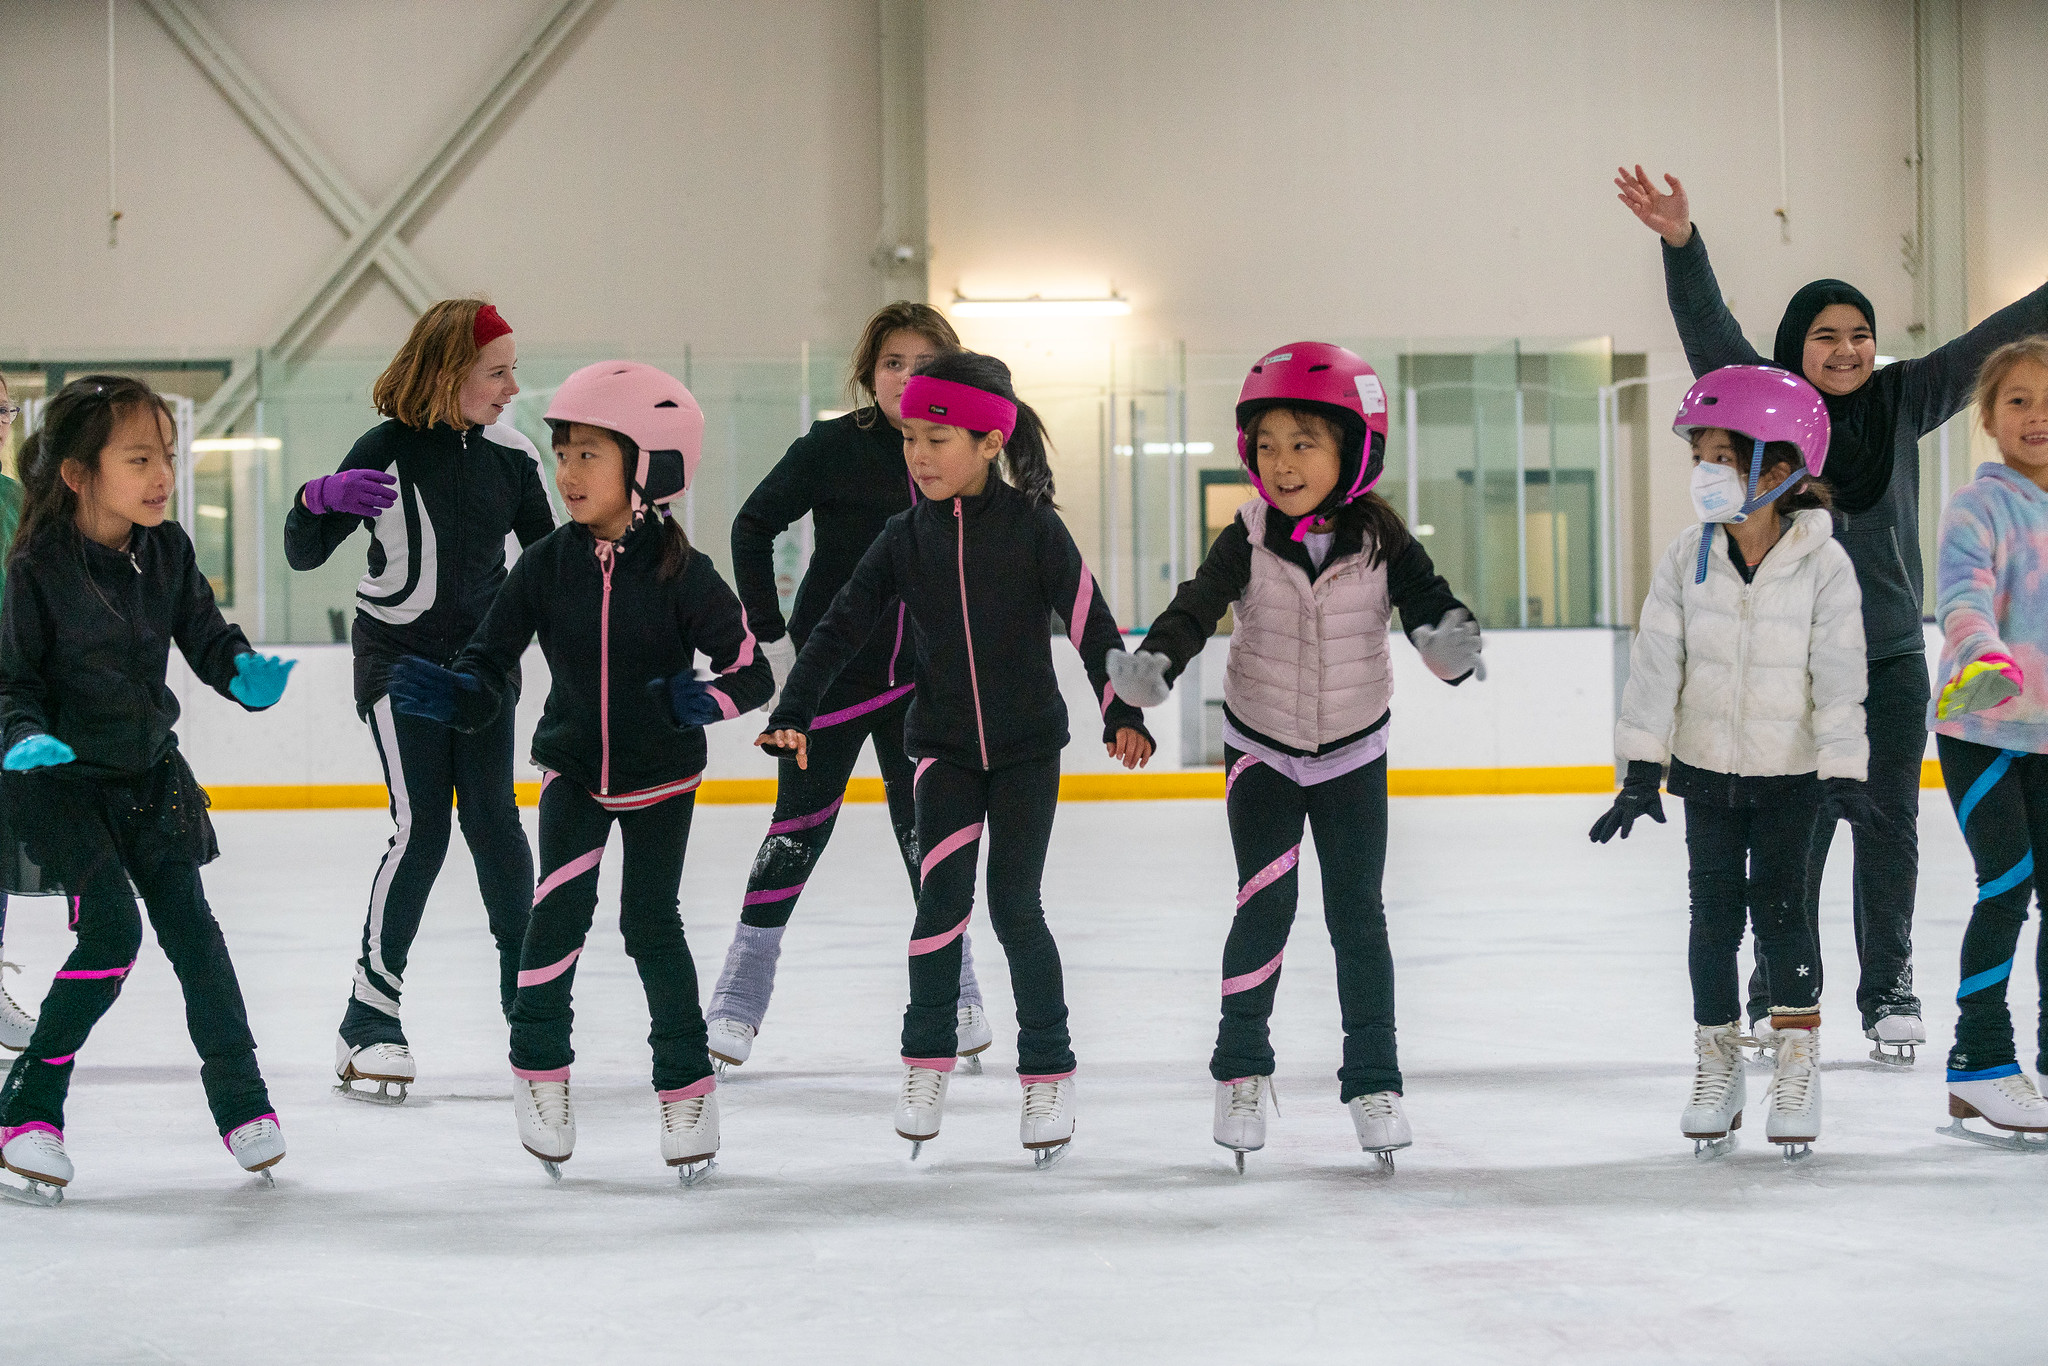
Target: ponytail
(1027, 463)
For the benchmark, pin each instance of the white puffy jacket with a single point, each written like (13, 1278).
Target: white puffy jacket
(1754, 679)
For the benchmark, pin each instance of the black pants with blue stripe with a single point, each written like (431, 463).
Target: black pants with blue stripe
(2001, 801)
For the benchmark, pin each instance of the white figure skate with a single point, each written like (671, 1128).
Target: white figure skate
(547, 1123)
(920, 1106)
(16, 1024)
(1241, 1115)
(1763, 1035)
(36, 1154)
(1793, 1121)
(689, 1136)
(387, 1064)
(1047, 1124)
(258, 1146)
(1382, 1128)
(1897, 1037)
(731, 1043)
(1713, 1112)
(2010, 1104)
(975, 1036)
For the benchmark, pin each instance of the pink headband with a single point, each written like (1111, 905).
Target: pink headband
(959, 405)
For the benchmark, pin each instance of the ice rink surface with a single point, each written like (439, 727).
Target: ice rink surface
(1548, 1212)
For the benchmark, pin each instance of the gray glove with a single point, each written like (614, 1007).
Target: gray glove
(1451, 647)
(1139, 679)
(781, 657)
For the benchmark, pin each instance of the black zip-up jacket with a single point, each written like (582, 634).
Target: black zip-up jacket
(982, 577)
(608, 629)
(852, 480)
(1900, 403)
(1417, 591)
(86, 639)
(437, 555)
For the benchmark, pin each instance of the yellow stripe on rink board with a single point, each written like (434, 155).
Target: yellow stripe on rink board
(1930, 773)
(1074, 787)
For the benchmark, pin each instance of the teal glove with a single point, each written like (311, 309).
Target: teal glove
(259, 679)
(37, 751)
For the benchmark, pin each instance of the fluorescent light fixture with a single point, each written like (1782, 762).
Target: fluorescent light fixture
(1036, 306)
(1425, 530)
(238, 443)
(213, 510)
(1173, 448)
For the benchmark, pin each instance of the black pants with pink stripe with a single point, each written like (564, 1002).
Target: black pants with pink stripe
(109, 930)
(1014, 808)
(1348, 816)
(573, 830)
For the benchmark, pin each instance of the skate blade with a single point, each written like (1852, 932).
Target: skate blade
(381, 1096)
(1042, 1158)
(269, 1180)
(1707, 1149)
(1796, 1149)
(1239, 1154)
(41, 1194)
(1902, 1055)
(916, 1147)
(553, 1169)
(2005, 1141)
(689, 1173)
(722, 1062)
(970, 1063)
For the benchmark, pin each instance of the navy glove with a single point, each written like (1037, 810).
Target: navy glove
(259, 679)
(1849, 799)
(422, 688)
(690, 700)
(1638, 797)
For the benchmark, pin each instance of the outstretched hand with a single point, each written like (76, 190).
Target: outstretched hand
(1667, 215)
(259, 679)
(786, 744)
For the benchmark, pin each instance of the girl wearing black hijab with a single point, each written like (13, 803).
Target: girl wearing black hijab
(1877, 417)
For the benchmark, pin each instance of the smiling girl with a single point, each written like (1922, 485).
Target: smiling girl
(98, 799)
(1315, 567)
(439, 485)
(622, 605)
(982, 563)
(1876, 418)
(1991, 729)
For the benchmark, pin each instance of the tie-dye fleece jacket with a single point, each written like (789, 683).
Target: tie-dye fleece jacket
(1991, 583)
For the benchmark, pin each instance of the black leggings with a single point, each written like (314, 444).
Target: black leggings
(1749, 865)
(2001, 801)
(1348, 816)
(1887, 870)
(1016, 806)
(807, 803)
(573, 830)
(427, 767)
(109, 930)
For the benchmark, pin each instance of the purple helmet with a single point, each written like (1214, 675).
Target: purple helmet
(1762, 403)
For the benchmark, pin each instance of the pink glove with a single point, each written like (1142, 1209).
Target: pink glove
(359, 493)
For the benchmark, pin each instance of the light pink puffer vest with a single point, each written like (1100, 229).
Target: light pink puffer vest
(1308, 662)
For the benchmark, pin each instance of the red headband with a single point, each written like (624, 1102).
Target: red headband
(489, 326)
(959, 405)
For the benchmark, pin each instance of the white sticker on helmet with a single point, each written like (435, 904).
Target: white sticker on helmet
(1277, 357)
(1371, 396)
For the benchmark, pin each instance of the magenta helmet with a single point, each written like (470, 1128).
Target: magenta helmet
(1327, 379)
(652, 408)
(1762, 403)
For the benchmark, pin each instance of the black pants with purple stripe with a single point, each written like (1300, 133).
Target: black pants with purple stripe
(1348, 816)
(1014, 807)
(807, 803)
(109, 927)
(573, 830)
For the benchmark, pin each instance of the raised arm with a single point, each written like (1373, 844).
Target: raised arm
(1711, 336)
(1935, 387)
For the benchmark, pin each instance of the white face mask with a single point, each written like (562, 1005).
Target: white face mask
(1718, 493)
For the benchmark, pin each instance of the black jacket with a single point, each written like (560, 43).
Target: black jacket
(437, 555)
(1895, 407)
(1413, 586)
(852, 480)
(607, 633)
(982, 578)
(86, 639)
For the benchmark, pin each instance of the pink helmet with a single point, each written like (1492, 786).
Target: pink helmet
(1762, 403)
(1319, 375)
(652, 408)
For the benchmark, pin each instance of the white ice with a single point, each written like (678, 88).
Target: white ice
(1548, 1212)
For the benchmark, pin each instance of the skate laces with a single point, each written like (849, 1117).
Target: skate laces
(551, 1102)
(389, 1051)
(1042, 1100)
(1798, 1051)
(1378, 1105)
(1247, 1095)
(678, 1115)
(921, 1086)
(2019, 1088)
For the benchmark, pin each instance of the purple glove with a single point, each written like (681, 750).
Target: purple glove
(359, 493)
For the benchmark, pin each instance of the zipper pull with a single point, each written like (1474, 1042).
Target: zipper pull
(134, 563)
(956, 507)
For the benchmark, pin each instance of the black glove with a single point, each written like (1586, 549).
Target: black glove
(419, 687)
(1849, 799)
(689, 699)
(1638, 797)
